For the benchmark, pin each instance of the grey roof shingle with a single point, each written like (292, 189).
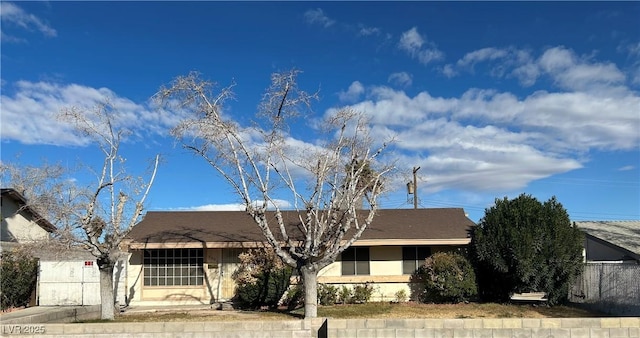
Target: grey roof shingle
(238, 226)
(625, 234)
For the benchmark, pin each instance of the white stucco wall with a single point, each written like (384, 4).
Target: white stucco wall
(17, 226)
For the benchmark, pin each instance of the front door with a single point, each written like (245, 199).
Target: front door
(230, 263)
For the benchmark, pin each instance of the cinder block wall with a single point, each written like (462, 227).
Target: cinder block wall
(345, 328)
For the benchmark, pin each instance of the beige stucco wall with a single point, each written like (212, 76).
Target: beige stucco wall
(385, 269)
(17, 226)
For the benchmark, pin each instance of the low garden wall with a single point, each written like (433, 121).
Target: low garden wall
(345, 328)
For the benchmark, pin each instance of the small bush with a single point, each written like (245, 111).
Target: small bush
(362, 293)
(18, 273)
(401, 296)
(262, 279)
(327, 294)
(345, 295)
(446, 277)
(294, 297)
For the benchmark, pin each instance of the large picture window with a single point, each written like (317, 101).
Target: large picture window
(173, 267)
(355, 261)
(413, 257)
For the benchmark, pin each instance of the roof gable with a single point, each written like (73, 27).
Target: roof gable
(21, 201)
(394, 225)
(624, 234)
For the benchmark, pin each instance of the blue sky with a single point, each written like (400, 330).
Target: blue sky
(490, 99)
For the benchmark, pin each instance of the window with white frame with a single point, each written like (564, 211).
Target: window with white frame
(413, 257)
(173, 267)
(355, 261)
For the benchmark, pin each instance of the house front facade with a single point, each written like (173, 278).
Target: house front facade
(189, 257)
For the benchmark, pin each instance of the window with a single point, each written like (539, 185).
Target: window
(169, 267)
(355, 261)
(413, 257)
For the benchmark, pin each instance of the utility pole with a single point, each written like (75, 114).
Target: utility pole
(415, 187)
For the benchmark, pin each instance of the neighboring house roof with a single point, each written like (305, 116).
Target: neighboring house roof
(624, 234)
(22, 203)
(443, 226)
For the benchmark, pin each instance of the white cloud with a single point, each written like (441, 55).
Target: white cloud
(402, 79)
(490, 140)
(282, 204)
(561, 65)
(356, 89)
(30, 114)
(571, 72)
(418, 47)
(449, 71)
(13, 15)
(317, 16)
(481, 55)
(627, 168)
(366, 31)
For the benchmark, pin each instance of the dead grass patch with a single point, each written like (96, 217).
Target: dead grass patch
(371, 310)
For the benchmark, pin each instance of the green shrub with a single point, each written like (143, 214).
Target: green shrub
(362, 293)
(262, 279)
(327, 294)
(401, 296)
(523, 245)
(294, 297)
(18, 274)
(345, 295)
(446, 277)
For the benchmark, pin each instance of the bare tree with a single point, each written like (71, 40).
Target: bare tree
(42, 185)
(113, 204)
(262, 163)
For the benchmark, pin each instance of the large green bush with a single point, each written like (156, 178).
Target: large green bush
(262, 279)
(522, 245)
(446, 277)
(18, 274)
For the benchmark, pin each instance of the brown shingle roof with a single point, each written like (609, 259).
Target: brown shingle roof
(394, 225)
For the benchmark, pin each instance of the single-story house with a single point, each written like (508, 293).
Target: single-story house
(611, 241)
(189, 256)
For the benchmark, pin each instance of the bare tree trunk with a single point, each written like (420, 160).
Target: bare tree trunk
(310, 282)
(107, 299)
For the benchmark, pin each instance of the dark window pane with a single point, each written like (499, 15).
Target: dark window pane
(348, 268)
(362, 267)
(362, 254)
(408, 253)
(349, 255)
(423, 252)
(408, 267)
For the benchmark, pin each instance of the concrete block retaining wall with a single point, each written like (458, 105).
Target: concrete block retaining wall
(347, 328)
(55, 314)
(507, 327)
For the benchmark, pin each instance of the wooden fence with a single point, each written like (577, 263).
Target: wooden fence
(612, 288)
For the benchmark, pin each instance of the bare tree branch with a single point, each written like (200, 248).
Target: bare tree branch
(261, 162)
